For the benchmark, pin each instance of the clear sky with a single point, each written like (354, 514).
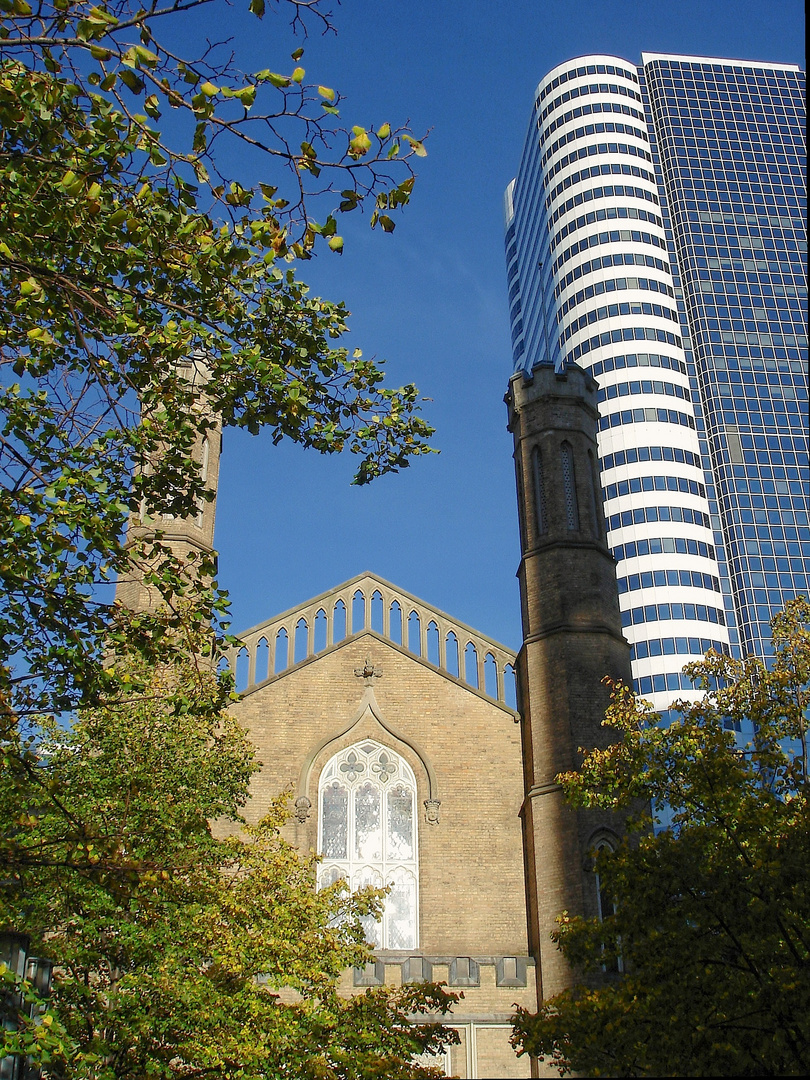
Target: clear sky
(431, 298)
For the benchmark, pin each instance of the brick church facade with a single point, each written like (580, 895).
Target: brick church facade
(413, 760)
(375, 727)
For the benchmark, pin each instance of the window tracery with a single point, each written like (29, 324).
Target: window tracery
(367, 835)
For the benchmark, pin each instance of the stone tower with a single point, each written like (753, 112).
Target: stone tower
(572, 639)
(191, 537)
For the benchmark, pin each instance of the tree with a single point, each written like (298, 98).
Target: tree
(132, 258)
(712, 913)
(125, 252)
(180, 950)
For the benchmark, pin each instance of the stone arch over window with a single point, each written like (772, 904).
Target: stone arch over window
(491, 676)
(320, 631)
(367, 834)
(262, 659)
(414, 633)
(377, 612)
(358, 611)
(339, 621)
(433, 650)
(242, 662)
(451, 653)
(395, 622)
(282, 650)
(471, 665)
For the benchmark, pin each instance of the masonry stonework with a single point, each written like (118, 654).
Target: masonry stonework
(189, 539)
(572, 639)
(464, 748)
(499, 853)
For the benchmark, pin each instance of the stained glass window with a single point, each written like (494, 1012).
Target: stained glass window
(367, 835)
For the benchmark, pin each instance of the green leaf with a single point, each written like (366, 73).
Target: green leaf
(247, 95)
(146, 56)
(360, 144)
(279, 81)
(417, 147)
(132, 81)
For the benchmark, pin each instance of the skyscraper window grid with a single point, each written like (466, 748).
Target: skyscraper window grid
(731, 140)
(729, 605)
(559, 304)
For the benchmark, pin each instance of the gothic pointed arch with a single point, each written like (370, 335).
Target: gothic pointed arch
(386, 734)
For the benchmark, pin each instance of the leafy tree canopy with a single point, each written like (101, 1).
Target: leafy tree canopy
(124, 252)
(148, 294)
(182, 951)
(712, 914)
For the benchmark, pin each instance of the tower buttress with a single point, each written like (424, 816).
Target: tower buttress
(188, 538)
(572, 639)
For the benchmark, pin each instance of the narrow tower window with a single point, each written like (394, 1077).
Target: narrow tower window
(204, 457)
(596, 496)
(539, 491)
(606, 907)
(569, 487)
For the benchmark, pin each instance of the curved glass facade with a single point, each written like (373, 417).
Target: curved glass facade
(655, 236)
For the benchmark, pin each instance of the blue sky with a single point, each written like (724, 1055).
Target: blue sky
(431, 298)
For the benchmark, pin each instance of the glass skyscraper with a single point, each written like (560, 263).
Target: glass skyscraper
(656, 236)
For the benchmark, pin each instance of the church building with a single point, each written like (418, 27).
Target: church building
(414, 761)
(422, 755)
(404, 771)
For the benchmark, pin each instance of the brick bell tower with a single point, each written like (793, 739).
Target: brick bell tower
(189, 537)
(572, 638)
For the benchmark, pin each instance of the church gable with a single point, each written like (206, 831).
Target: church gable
(370, 605)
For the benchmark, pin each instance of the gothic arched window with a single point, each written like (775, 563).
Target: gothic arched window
(606, 906)
(569, 486)
(539, 491)
(367, 835)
